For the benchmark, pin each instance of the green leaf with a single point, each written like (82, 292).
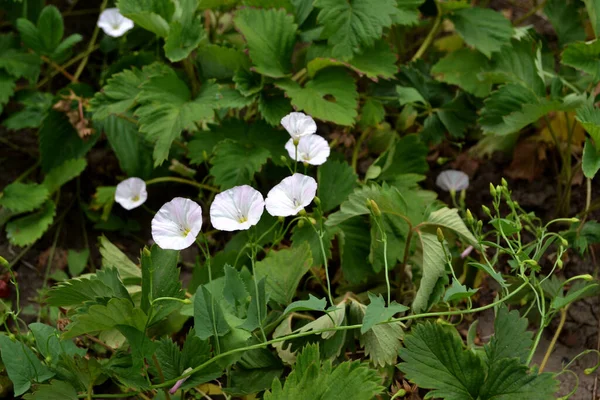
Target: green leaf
(378, 312)
(508, 379)
(209, 319)
(577, 291)
(22, 366)
(354, 24)
(566, 21)
(330, 96)
(589, 117)
(312, 304)
(273, 107)
(283, 282)
(593, 9)
(517, 63)
(7, 89)
(377, 61)
(583, 56)
(36, 104)
(371, 113)
(235, 164)
(462, 68)
(220, 62)
(355, 246)
(59, 142)
(117, 311)
(306, 234)
(160, 278)
(23, 197)
(234, 290)
(50, 27)
(270, 35)
(55, 390)
(30, 35)
(258, 306)
(339, 175)
(50, 346)
(409, 95)
(482, 28)
(433, 266)
(166, 109)
(511, 338)
(247, 82)
(63, 173)
(113, 257)
(448, 218)
(313, 379)
(26, 230)
(152, 15)
(408, 156)
(590, 162)
(185, 31)
(77, 261)
(458, 292)
(434, 358)
(16, 62)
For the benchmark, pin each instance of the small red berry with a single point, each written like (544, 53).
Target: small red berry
(4, 290)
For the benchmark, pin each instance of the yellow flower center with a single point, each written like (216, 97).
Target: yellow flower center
(185, 231)
(242, 219)
(135, 198)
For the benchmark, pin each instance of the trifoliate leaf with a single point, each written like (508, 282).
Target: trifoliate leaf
(23, 197)
(583, 56)
(335, 174)
(330, 96)
(283, 282)
(462, 68)
(22, 365)
(378, 312)
(36, 104)
(483, 28)
(312, 304)
(26, 230)
(235, 164)
(590, 162)
(209, 319)
(355, 24)
(166, 109)
(17, 62)
(97, 318)
(220, 62)
(55, 390)
(314, 379)
(185, 31)
(63, 173)
(150, 15)
(566, 21)
(270, 35)
(511, 338)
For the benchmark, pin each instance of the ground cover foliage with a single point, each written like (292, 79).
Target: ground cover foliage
(294, 139)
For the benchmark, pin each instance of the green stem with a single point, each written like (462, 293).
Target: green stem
(429, 39)
(91, 45)
(255, 279)
(325, 263)
(357, 147)
(337, 328)
(182, 180)
(212, 300)
(188, 66)
(184, 301)
(295, 156)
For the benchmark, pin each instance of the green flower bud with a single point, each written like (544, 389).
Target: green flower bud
(317, 201)
(312, 220)
(302, 212)
(300, 223)
(564, 242)
(492, 190)
(3, 262)
(487, 211)
(400, 393)
(440, 235)
(503, 182)
(469, 217)
(375, 208)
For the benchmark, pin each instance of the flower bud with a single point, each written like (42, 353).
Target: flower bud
(587, 277)
(469, 217)
(375, 208)
(503, 182)
(559, 263)
(281, 219)
(317, 201)
(492, 190)
(48, 359)
(574, 220)
(312, 220)
(283, 159)
(440, 235)
(400, 393)
(300, 223)
(564, 242)
(486, 210)
(3, 262)
(479, 225)
(302, 212)
(589, 371)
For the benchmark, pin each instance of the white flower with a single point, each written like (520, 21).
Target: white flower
(131, 193)
(299, 124)
(237, 209)
(177, 223)
(113, 23)
(452, 180)
(312, 149)
(291, 195)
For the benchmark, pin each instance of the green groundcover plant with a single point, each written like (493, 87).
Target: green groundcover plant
(325, 269)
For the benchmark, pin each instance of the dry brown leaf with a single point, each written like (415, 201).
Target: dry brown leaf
(528, 160)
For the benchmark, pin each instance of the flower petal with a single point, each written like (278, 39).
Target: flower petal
(113, 23)
(177, 224)
(238, 208)
(291, 195)
(452, 180)
(131, 193)
(312, 149)
(299, 124)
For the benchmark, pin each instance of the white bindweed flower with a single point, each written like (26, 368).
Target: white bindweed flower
(177, 223)
(237, 209)
(452, 180)
(291, 195)
(113, 23)
(131, 193)
(312, 149)
(299, 125)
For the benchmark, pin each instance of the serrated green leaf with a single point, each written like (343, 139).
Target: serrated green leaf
(51, 28)
(408, 12)
(50, 346)
(7, 89)
(433, 268)
(270, 35)
(583, 56)
(511, 338)
(23, 197)
(36, 104)
(508, 379)
(234, 290)
(307, 234)
(112, 257)
(185, 31)
(314, 97)
(282, 282)
(313, 379)
(30, 35)
(220, 62)
(462, 68)
(589, 117)
(409, 95)
(339, 175)
(26, 230)
(117, 311)
(16, 62)
(77, 261)
(63, 173)
(351, 25)
(235, 164)
(483, 28)
(55, 390)
(355, 246)
(408, 156)
(371, 113)
(458, 292)
(378, 312)
(152, 15)
(22, 365)
(312, 304)
(565, 20)
(209, 319)
(590, 162)
(247, 82)
(273, 107)
(376, 61)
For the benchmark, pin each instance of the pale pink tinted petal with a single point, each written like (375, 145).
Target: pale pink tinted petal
(452, 180)
(466, 252)
(131, 193)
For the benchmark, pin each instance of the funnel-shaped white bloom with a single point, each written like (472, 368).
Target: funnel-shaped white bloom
(131, 193)
(452, 180)
(177, 223)
(291, 195)
(298, 125)
(237, 209)
(113, 23)
(312, 149)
